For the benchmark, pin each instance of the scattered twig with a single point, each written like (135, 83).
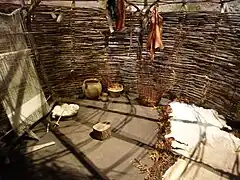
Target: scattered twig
(142, 167)
(57, 123)
(6, 134)
(38, 147)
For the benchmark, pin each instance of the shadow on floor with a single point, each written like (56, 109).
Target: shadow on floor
(24, 167)
(19, 166)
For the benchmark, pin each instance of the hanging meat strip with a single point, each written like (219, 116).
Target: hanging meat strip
(120, 15)
(155, 36)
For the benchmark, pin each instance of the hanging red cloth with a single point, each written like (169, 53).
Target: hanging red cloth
(120, 20)
(155, 36)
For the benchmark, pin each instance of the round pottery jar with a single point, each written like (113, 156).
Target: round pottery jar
(92, 88)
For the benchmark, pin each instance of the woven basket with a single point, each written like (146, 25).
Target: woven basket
(148, 95)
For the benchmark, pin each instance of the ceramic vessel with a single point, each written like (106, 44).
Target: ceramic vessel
(92, 88)
(115, 90)
(104, 97)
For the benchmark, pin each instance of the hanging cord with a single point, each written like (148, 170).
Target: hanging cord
(179, 40)
(73, 42)
(130, 34)
(215, 41)
(31, 41)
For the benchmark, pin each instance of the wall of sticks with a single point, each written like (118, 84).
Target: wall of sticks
(200, 59)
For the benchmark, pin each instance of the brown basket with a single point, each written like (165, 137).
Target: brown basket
(148, 95)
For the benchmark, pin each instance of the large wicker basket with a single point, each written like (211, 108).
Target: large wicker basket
(148, 95)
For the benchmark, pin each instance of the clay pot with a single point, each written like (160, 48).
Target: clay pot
(104, 97)
(115, 90)
(92, 88)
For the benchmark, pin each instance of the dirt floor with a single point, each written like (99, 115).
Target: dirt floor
(134, 135)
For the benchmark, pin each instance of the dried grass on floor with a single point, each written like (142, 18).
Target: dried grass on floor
(162, 156)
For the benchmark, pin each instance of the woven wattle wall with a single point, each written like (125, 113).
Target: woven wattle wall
(200, 58)
(72, 50)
